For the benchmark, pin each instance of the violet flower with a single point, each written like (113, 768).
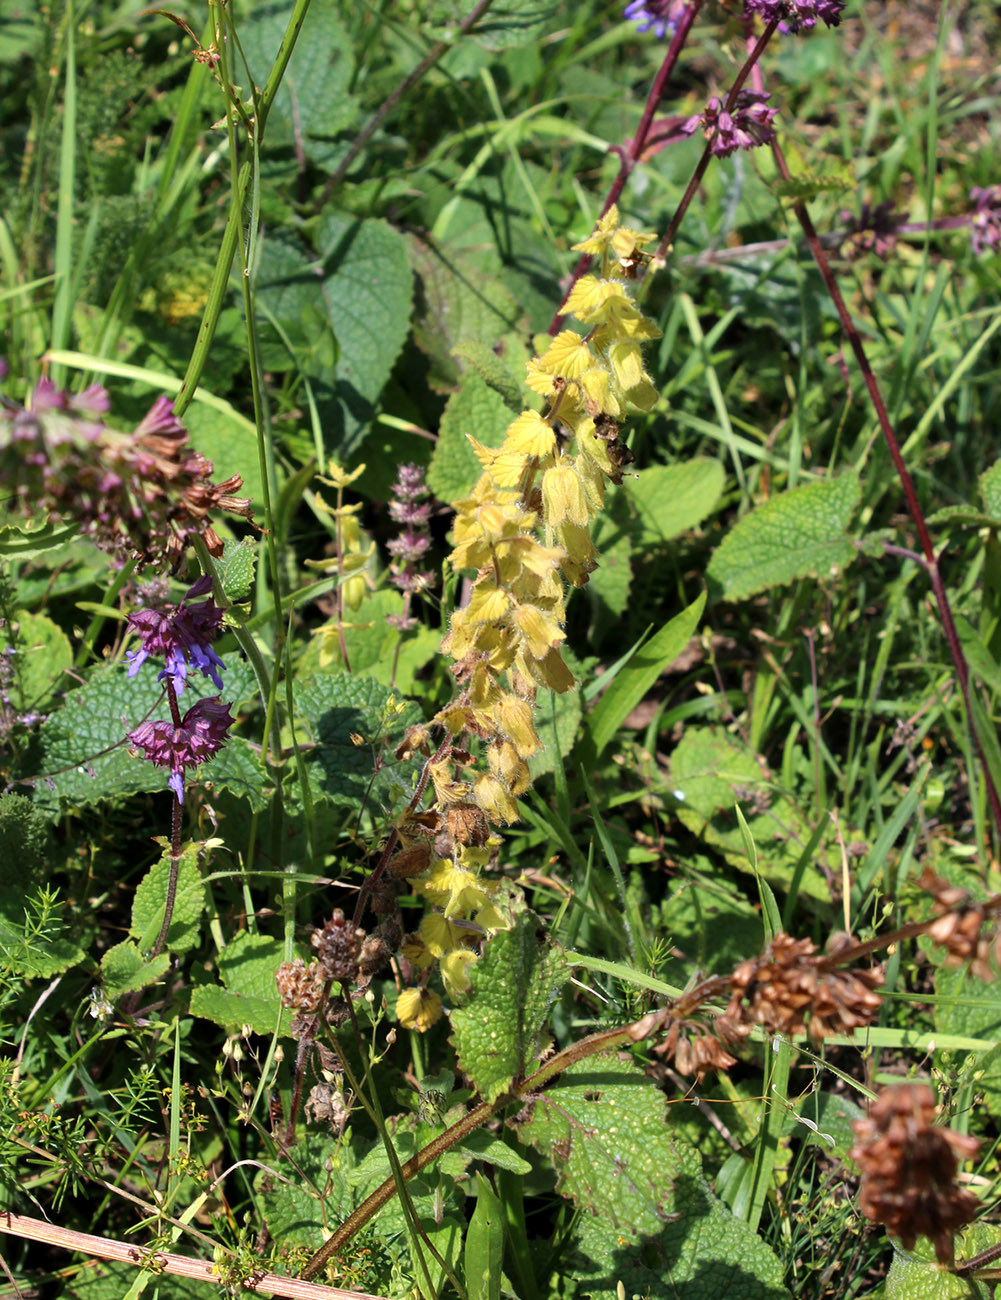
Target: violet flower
(747, 125)
(985, 223)
(658, 16)
(796, 15)
(874, 230)
(180, 635)
(201, 734)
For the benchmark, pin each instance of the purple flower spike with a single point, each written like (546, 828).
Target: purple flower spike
(409, 548)
(985, 221)
(748, 125)
(658, 16)
(179, 636)
(200, 736)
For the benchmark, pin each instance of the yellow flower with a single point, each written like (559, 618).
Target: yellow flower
(418, 1009)
(563, 494)
(455, 971)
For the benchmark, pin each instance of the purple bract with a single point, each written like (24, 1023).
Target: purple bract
(201, 735)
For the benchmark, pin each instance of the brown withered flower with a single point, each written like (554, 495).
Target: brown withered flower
(338, 946)
(792, 988)
(908, 1165)
(965, 928)
(693, 1049)
(300, 986)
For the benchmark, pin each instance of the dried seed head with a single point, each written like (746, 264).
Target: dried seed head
(300, 986)
(909, 1166)
(964, 928)
(337, 946)
(792, 988)
(467, 825)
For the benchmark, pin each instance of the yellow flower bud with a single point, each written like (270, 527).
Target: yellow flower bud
(540, 632)
(514, 719)
(455, 971)
(512, 769)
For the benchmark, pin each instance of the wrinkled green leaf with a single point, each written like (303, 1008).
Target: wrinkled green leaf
(474, 408)
(249, 995)
(501, 1030)
(189, 902)
(124, 969)
(800, 533)
(649, 1219)
(236, 568)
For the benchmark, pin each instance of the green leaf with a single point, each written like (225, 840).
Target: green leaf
(481, 1145)
(336, 707)
(236, 568)
(501, 1030)
(649, 1221)
(990, 490)
(557, 718)
(367, 293)
(507, 25)
(799, 533)
(463, 301)
(916, 1275)
(295, 331)
(711, 774)
(375, 648)
(671, 499)
(474, 408)
(484, 1252)
(247, 968)
(125, 970)
(637, 677)
(494, 372)
(42, 654)
(189, 901)
(312, 105)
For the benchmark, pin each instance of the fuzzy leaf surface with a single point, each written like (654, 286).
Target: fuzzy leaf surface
(649, 1220)
(501, 1030)
(189, 902)
(247, 968)
(474, 408)
(797, 534)
(337, 706)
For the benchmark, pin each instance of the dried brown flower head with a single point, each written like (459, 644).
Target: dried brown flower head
(792, 988)
(965, 928)
(300, 986)
(693, 1049)
(909, 1166)
(337, 946)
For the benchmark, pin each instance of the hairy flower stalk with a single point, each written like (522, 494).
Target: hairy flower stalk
(524, 532)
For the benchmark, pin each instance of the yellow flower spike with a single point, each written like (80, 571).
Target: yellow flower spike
(540, 633)
(491, 919)
(568, 356)
(594, 482)
(505, 466)
(455, 972)
(549, 671)
(513, 718)
(597, 388)
(579, 562)
(588, 296)
(416, 952)
(539, 381)
(456, 890)
(530, 435)
(563, 495)
(494, 799)
(418, 1009)
(506, 763)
